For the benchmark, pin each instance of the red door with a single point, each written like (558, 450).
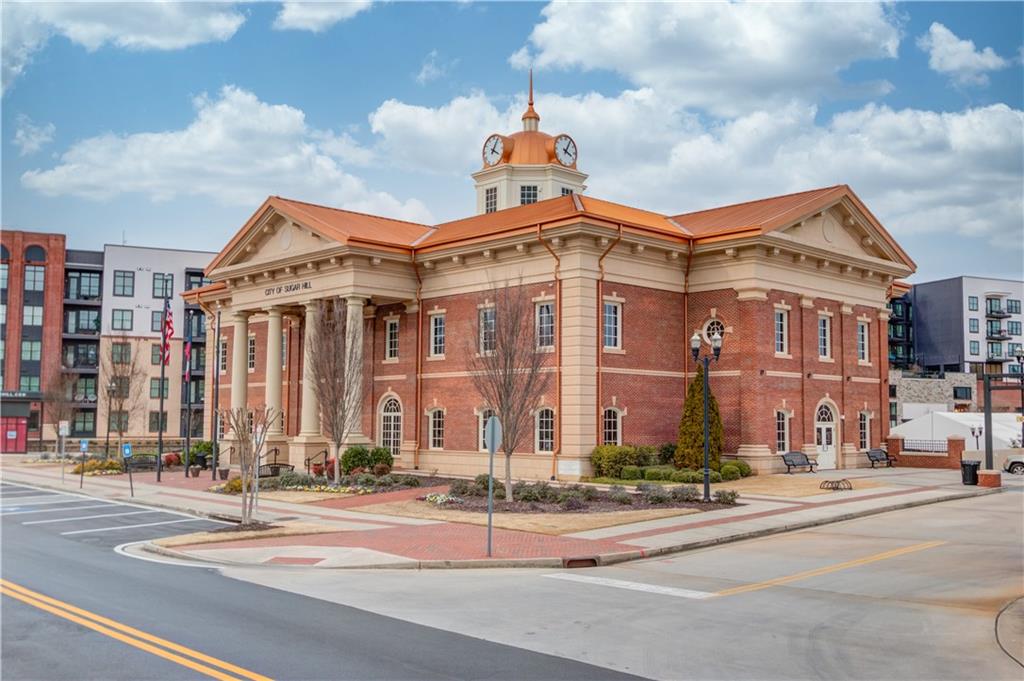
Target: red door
(13, 435)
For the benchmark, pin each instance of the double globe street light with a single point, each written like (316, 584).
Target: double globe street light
(716, 350)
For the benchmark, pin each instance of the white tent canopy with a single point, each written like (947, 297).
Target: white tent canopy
(938, 425)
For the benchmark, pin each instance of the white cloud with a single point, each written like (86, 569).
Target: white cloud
(432, 68)
(727, 58)
(959, 59)
(237, 151)
(316, 16)
(29, 137)
(919, 171)
(136, 26)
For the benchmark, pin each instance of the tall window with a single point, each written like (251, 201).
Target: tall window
(545, 430)
(29, 383)
(972, 324)
(155, 354)
(3, 313)
(156, 320)
(437, 429)
(250, 360)
(154, 387)
(391, 426)
(862, 341)
(1013, 305)
(993, 305)
(488, 321)
(157, 421)
(490, 199)
(612, 330)
(995, 349)
(864, 428)
(31, 350)
(3, 276)
(781, 432)
(84, 423)
(612, 427)
(121, 353)
(121, 320)
(34, 276)
(223, 356)
(284, 348)
(824, 337)
(527, 194)
(545, 325)
(481, 428)
(124, 283)
(975, 348)
(163, 285)
(391, 339)
(117, 421)
(972, 303)
(1013, 328)
(82, 285)
(32, 315)
(437, 335)
(782, 332)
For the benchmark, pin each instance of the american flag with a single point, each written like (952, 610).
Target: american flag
(168, 332)
(188, 357)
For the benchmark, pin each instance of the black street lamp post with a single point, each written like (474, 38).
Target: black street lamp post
(716, 348)
(977, 432)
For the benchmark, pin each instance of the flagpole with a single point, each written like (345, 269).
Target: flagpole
(214, 417)
(161, 421)
(188, 393)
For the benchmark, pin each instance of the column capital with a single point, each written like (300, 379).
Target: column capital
(274, 310)
(241, 315)
(356, 301)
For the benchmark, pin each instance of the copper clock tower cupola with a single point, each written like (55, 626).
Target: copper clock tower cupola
(526, 166)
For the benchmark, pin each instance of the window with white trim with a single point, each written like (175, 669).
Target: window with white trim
(490, 199)
(121, 320)
(391, 426)
(481, 426)
(611, 427)
(437, 429)
(545, 325)
(782, 332)
(862, 341)
(284, 348)
(35, 276)
(32, 315)
(223, 357)
(712, 327)
(528, 193)
(824, 337)
(545, 440)
(437, 322)
(31, 350)
(781, 432)
(250, 360)
(3, 275)
(864, 428)
(488, 322)
(612, 325)
(391, 339)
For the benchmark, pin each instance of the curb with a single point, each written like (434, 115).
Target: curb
(593, 560)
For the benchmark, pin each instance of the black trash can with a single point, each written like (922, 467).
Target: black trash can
(969, 472)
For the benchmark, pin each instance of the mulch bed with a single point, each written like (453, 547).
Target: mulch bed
(251, 526)
(479, 504)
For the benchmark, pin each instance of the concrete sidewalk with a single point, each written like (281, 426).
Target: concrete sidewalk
(363, 540)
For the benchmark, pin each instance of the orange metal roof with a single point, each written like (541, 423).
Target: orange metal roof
(616, 212)
(492, 224)
(763, 214)
(197, 293)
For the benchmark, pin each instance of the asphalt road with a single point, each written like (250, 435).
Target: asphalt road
(197, 612)
(911, 594)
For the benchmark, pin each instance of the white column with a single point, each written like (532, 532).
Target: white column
(239, 359)
(310, 419)
(273, 384)
(354, 336)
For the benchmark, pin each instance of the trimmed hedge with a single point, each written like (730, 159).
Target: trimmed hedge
(631, 473)
(608, 460)
(730, 472)
(355, 457)
(744, 467)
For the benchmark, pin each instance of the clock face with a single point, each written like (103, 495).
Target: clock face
(494, 147)
(565, 150)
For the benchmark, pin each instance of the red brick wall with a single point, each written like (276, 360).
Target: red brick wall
(1002, 400)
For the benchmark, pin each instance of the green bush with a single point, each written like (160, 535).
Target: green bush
(646, 455)
(729, 472)
(681, 476)
(630, 473)
(623, 497)
(460, 488)
(685, 493)
(715, 476)
(366, 480)
(658, 495)
(386, 481)
(293, 479)
(667, 453)
(408, 481)
(726, 496)
(744, 467)
(480, 487)
(202, 447)
(381, 455)
(354, 457)
(533, 492)
(608, 460)
(571, 501)
(588, 493)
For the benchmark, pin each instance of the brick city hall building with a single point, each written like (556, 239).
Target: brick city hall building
(796, 284)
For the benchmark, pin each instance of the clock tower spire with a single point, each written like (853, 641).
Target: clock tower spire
(527, 166)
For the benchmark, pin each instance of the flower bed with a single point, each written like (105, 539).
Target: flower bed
(290, 481)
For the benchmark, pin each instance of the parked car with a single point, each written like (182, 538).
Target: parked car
(1014, 464)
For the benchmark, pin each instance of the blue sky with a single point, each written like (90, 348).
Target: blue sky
(170, 124)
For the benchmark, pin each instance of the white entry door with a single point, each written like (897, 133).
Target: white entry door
(825, 437)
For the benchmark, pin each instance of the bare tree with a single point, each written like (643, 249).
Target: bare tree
(250, 428)
(60, 398)
(506, 367)
(125, 378)
(333, 368)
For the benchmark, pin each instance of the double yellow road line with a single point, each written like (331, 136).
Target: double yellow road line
(168, 650)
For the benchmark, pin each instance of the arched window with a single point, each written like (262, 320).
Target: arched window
(437, 429)
(712, 327)
(825, 414)
(484, 414)
(612, 427)
(391, 426)
(545, 430)
(4, 253)
(34, 254)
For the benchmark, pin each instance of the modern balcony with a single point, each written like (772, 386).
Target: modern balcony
(996, 313)
(87, 301)
(997, 334)
(997, 358)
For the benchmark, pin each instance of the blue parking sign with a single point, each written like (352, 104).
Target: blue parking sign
(83, 446)
(127, 450)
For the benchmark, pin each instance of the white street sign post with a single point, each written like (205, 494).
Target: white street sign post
(492, 440)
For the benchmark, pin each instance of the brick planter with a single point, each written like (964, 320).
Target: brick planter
(990, 478)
